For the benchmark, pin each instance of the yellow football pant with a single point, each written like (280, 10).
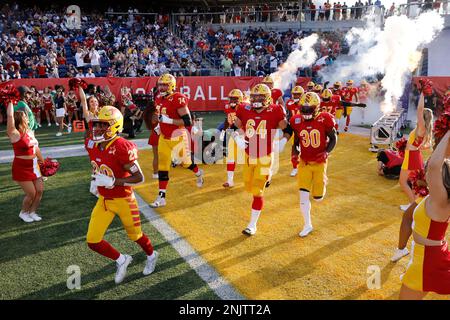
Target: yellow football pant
(312, 177)
(104, 212)
(179, 146)
(256, 174)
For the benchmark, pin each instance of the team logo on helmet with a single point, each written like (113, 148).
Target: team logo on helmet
(107, 125)
(309, 104)
(326, 94)
(349, 83)
(337, 85)
(267, 80)
(166, 84)
(297, 93)
(318, 89)
(235, 97)
(310, 85)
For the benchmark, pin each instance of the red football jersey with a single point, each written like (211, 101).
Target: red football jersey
(292, 107)
(332, 105)
(169, 106)
(118, 153)
(260, 128)
(276, 93)
(230, 112)
(313, 136)
(349, 93)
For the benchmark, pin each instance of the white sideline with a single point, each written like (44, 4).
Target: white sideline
(218, 284)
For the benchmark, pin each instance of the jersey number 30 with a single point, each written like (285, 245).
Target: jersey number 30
(310, 138)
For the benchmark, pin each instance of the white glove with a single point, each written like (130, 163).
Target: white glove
(157, 129)
(240, 141)
(102, 180)
(165, 119)
(222, 135)
(195, 130)
(282, 144)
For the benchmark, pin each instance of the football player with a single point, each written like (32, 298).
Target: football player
(276, 94)
(331, 103)
(235, 101)
(318, 88)
(348, 93)
(174, 118)
(115, 172)
(310, 86)
(259, 122)
(294, 109)
(317, 135)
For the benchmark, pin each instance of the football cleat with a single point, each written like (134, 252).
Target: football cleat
(151, 263)
(25, 217)
(200, 179)
(249, 231)
(35, 217)
(306, 230)
(399, 253)
(122, 269)
(294, 172)
(346, 129)
(228, 185)
(158, 203)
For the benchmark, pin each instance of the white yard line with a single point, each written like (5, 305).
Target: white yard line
(216, 282)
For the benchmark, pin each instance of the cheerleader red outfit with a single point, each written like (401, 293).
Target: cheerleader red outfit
(25, 169)
(48, 105)
(413, 158)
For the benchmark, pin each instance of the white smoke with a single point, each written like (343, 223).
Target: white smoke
(393, 52)
(305, 56)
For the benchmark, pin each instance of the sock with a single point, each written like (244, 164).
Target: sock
(305, 207)
(254, 218)
(163, 185)
(257, 203)
(294, 161)
(105, 249)
(195, 169)
(162, 193)
(230, 176)
(231, 166)
(24, 212)
(120, 259)
(145, 244)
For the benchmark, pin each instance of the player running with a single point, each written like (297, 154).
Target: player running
(116, 171)
(317, 134)
(348, 93)
(259, 121)
(276, 94)
(174, 118)
(235, 98)
(294, 109)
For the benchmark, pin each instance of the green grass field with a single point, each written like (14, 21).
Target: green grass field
(34, 257)
(46, 135)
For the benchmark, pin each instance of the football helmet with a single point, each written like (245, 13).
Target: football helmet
(107, 125)
(297, 93)
(310, 86)
(260, 96)
(166, 84)
(326, 95)
(318, 89)
(235, 97)
(349, 83)
(309, 105)
(268, 81)
(337, 85)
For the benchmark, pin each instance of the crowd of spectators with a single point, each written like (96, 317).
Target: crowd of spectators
(256, 52)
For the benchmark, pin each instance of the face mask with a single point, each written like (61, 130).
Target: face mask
(257, 105)
(233, 105)
(296, 100)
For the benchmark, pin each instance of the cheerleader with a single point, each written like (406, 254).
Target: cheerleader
(429, 267)
(71, 104)
(35, 105)
(25, 168)
(48, 106)
(419, 139)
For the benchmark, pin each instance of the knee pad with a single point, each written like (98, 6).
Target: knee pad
(163, 175)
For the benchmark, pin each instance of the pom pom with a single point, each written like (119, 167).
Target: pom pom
(74, 83)
(441, 126)
(400, 145)
(9, 93)
(426, 86)
(49, 167)
(418, 182)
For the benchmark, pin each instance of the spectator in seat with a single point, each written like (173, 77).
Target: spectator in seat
(79, 74)
(79, 58)
(4, 76)
(95, 60)
(227, 65)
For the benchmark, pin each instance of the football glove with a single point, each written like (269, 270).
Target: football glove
(102, 180)
(240, 141)
(222, 135)
(157, 129)
(165, 119)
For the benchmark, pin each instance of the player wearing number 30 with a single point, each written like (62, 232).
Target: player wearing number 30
(260, 122)
(116, 171)
(317, 135)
